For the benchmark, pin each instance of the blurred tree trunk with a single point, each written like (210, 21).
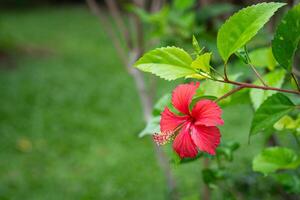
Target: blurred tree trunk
(134, 48)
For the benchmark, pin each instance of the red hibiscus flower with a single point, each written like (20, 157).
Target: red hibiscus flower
(195, 128)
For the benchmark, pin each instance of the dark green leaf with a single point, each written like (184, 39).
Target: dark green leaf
(290, 182)
(275, 107)
(287, 38)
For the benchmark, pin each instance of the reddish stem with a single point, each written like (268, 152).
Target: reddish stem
(249, 85)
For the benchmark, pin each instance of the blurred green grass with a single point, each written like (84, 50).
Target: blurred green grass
(69, 117)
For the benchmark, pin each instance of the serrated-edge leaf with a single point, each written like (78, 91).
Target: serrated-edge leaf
(168, 63)
(287, 38)
(230, 39)
(270, 111)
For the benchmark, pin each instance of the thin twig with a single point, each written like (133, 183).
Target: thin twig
(115, 11)
(225, 72)
(95, 8)
(258, 75)
(229, 93)
(296, 80)
(249, 85)
(217, 72)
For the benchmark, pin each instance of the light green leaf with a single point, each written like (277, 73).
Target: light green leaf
(196, 46)
(273, 79)
(202, 66)
(288, 123)
(275, 158)
(242, 26)
(151, 127)
(275, 107)
(164, 101)
(167, 62)
(263, 57)
(216, 89)
(202, 62)
(287, 38)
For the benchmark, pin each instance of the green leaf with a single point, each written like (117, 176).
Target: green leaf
(168, 63)
(202, 62)
(196, 46)
(202, 66)
(275, 158)
(287, 38)
(151, 127)
(275, 107)
(273, 79)
(242, 26)
(290, 182)
(211, 176)
(288, 123)
(164, 101)
(216, 89)
(227, 150)
(263, 57)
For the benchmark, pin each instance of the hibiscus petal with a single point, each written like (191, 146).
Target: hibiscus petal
(184, 145)
(208, 113)
(206, 138)
(182, 96)
(170, 121)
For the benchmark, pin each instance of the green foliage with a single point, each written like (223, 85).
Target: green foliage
(213, 10)
(183, 4)
(275, 158)
(202, 62)
(272, 79)
(211, 176)
(263, 57)
(202, 65)
(287, 38)
(227, 150)
(215, 89)
(242, 26)
(196, 46)
(152, 126)
(168, 63)
(159, 106)
(270, 111)
(288, 123)
(290, 182)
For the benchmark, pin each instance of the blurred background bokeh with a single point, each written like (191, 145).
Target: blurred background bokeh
(70, 113)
